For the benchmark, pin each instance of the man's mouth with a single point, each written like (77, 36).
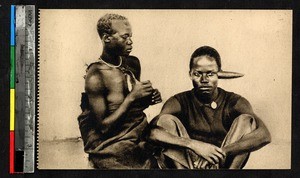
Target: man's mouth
(129, 50)
(205, 88)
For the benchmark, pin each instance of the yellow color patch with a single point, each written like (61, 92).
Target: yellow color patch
(12, 109)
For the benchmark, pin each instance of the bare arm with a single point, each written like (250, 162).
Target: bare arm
(161, 136)
(95, 89)
(252, 141)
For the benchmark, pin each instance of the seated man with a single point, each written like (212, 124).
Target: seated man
(112, 122)
(207, 127)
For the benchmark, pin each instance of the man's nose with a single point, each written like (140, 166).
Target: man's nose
(129, 41)
(203, 78)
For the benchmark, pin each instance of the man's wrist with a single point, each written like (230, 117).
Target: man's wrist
(129, 99)
(190, 144)
(226, 151)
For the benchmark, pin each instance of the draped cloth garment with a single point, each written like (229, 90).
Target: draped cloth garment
(123, 146)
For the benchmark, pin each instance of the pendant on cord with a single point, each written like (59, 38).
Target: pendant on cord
(213, 105)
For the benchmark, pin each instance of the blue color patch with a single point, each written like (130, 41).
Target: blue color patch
(12, 25)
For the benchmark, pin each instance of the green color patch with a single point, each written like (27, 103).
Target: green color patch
(12, 67)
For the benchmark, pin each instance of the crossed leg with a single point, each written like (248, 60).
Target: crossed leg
(180, 158)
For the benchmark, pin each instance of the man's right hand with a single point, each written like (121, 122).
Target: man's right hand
(141, 90)
(211, 153)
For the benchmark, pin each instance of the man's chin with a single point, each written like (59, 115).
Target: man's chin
(125, 54)
(205, 93)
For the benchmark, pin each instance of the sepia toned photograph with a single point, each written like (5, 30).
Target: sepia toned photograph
(164, 89)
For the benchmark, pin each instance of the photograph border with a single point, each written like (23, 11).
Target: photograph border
(156, 4)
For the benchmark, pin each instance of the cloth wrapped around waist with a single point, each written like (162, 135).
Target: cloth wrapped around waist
(121, 148)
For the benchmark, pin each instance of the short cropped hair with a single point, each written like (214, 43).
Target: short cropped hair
(104, 23)
(206, 51)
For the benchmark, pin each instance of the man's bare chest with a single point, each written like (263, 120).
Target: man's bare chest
(115, 85)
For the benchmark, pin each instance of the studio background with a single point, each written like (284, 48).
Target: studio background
(257, 43)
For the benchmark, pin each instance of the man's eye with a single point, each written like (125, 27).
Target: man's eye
(196, 74)
(210, 74)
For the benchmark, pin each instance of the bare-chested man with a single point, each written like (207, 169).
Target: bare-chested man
(112, 122)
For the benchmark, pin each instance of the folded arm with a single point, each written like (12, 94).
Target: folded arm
(162, 136)
(255, 139)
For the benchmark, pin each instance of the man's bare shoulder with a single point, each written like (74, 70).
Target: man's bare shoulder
(94, 78)
(97, 67)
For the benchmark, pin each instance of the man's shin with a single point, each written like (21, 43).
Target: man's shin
(242, 125)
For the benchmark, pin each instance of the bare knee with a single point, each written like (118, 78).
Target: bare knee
(167, 122)
(245, 122)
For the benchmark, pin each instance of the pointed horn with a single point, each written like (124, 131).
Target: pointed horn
(229, 75)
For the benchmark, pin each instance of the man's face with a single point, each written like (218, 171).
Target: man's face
(204, 75)
(121, 43)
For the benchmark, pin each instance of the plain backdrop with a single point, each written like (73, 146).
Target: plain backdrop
(257, 43)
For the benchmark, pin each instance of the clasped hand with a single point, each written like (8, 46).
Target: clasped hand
(211, 153)
(145, 89)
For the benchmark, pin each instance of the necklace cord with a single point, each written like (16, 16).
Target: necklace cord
(111, 65)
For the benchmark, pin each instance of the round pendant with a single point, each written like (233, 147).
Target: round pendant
(213, 105)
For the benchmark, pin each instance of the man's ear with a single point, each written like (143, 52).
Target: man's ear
(106, 38)
(190, 74)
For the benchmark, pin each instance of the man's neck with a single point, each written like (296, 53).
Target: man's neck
(109, 58)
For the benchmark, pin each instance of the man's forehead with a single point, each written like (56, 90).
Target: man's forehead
(205, 62)
(120, 24)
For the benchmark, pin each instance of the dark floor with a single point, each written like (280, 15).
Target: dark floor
(68, 154)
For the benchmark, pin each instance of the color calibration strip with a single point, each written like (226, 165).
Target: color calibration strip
(12, 92)
(22, 89)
